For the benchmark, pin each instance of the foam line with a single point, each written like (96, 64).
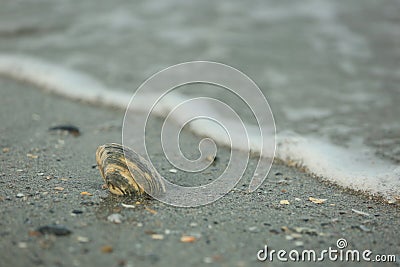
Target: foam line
(346, 167)
(59, 80)
(342, 166)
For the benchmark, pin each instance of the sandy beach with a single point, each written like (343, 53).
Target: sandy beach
(329, 71)
(44, 173)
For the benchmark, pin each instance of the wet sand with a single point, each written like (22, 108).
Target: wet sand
(43, 174)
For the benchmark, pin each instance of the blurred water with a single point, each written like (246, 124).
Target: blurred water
(329, 69)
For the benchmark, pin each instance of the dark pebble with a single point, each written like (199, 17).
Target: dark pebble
(275, 231)
(77, 212)
(278, 173)
(58, 230)
(306, 219)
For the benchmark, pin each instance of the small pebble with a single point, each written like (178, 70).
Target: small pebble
(208, 260)
(274, 231)
(22, 245)
(127, 206)
(106, 249)
(289, 237)
(284, 202)
(306, 219)
(188, 239)
(283, 181)
(364, 228)
(157, 237)
(317, 200)
(82, 239)
(325, 223)
(115, 218)
(193, 224)
(32, 156)
(76, 212)
(173, 170)
(59, 230)
(285, 229)
(253, 229)
(305, 230)
(298, 243)
(296, 235)
(20, 195)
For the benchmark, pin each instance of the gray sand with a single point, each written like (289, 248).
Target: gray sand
(228, 232)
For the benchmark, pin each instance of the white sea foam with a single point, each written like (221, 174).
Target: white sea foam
(354, 168)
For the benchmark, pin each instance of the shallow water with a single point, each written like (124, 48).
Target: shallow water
(329, 69)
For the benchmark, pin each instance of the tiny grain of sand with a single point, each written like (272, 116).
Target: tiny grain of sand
(43, 175)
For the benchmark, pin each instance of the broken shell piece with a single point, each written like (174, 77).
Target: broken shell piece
(129, 173)
(188, 239)
(284, 202)
(317, 200)
(173, 170)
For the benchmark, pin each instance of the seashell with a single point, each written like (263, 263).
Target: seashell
(129, 173)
